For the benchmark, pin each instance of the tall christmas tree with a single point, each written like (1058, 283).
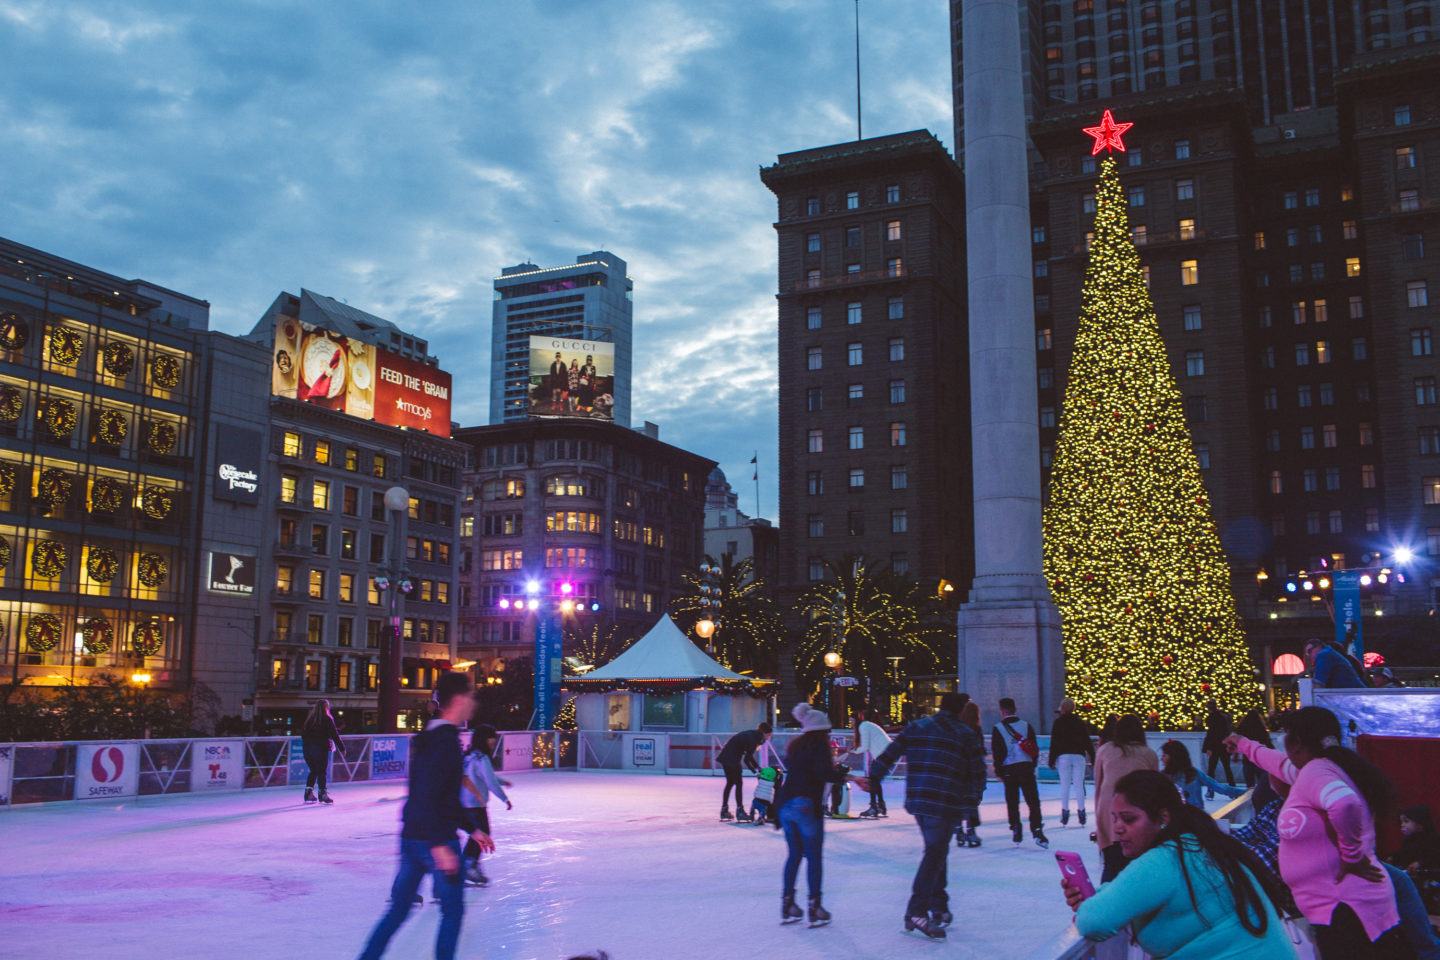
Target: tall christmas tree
(1132, 552)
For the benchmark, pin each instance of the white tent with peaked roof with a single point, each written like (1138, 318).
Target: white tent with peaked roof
(664, 653)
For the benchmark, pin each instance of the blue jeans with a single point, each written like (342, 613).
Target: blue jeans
(928, 891)
(805, 835)
(1414, 922)
(416, 861)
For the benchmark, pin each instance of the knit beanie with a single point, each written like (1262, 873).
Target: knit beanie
(810, 718)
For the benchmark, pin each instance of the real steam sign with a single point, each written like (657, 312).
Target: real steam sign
(217, 765)
(106, 771)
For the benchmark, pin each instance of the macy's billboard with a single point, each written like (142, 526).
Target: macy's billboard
(327, 369)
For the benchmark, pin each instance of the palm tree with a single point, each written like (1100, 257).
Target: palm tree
(748, 629)
(867, 617)
(595, 648)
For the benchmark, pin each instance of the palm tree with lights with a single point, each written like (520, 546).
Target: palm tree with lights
(730, 609)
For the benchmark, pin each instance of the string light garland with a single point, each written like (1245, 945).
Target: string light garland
(148, 637)
(8, 476)
(14, 332)
(165, 371)
(59, 417)
(49, 558)
(152, 569)
(102, 564)
(160, 437)
(117, 359)
(156, 502)
(5, 553)
(665, 688)
(65, 346)
(97, 635)
(106, 495)
(1132, 553)
(112, 427)
(54, 488)
(42, 632)
(12, 404)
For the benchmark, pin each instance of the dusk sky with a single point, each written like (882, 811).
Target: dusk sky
(398, 155)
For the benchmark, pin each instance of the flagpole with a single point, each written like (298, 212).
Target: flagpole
(756, 460)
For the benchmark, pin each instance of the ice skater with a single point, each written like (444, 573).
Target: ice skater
(478, 783)
(871, 740)
(1015, 754)
(809, 766)
(1070, 749)
(428, 823)
(317, 733)
(737, 750)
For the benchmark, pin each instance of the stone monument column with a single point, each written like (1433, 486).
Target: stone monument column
(1009, 630)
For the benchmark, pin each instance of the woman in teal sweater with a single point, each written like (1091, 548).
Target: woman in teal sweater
(1189, 891)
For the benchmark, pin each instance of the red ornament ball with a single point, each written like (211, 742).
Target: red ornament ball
(1167, 659)
(1204, 688)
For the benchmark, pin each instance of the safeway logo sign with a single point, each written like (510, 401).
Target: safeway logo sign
(108, 765)
(108, 770)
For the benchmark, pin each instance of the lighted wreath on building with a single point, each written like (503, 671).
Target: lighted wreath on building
(102, 564)
(117, 359)
(14, 332)
(5, 553)
(156, 502)
(8, 476)
(12, 404)
(152, 569)
(59, 418)
(148, 638)
(97, 635)
(48, 558)
(55, 486)
(65, 346)
(42, 632)
(112, 428)
(161, 437)
(106, 495)
(165, 371)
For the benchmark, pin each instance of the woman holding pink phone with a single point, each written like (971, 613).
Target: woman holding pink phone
(1189, 891)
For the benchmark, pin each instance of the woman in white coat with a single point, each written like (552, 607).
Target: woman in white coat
(871, 741)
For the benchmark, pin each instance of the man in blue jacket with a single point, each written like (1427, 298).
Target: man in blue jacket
(1330, 667)
(430, 821)
(944, 780)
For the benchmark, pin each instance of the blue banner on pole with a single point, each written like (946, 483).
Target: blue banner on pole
(1348, 622)
(549, 651)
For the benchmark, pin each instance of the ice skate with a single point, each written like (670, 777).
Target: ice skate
(1082, 816)
(325, 798)
(475, 877)
(1041, 841)
(1065, 818)
(309, 795)
(925, 925)
(819, 916)
(790, 912)
(725, 814)
(1018, 836)
(972, 839)
(942, 918)
(873, 813)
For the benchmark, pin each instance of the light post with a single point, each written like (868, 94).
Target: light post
(710, 597)
(833, 662)
(396, 583)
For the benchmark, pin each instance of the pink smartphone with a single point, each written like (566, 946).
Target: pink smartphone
(1072, 868)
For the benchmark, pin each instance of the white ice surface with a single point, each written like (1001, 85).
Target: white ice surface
(636, 865)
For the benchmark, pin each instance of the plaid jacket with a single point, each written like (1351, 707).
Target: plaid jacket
(945, 767)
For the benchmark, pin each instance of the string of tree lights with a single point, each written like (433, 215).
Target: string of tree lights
(1131, 549)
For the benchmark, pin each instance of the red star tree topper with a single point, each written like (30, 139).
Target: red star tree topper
(1107, 135)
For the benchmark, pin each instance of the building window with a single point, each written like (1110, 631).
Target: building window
(1431, 490)
(1196, 409)
(853, 313)
(1359, 348)
(895, 267)
(854, 393)
(1312, 522)
(1322, 312)
(1413, 246)
(852, 240)
(1367, 476)
(1297, 273)
(897, 433)
(1259, 239)
(897, 348)
(1184, 189)
(1332, 478)
(892, 230)
(1187, 228)
(1322, 351)
(814, 400)
(815, 523)
(1309, 481)
(1267, 358)
(1277, 483)
(812, 318)
(1192, 318)
(1425, 391)
(1047, 417)
(856, 478)
(812, 206)
(1045, 378)
(1290, 200)
(1352, 266)
(1136, 196)
(317, 584)
(816, 569)
(1134, 157)
(1194, 363)
(812, 278)
(347, 588)
(1315, 234)
(1330, 435)
(1404, 158)
(1429, 441)
(289, 488)
(815, 483)
(1140, 234)
(1357, 308)
(1420, 342)
(1312, 197)
(1043, 338)
(1349, 230)
(1272, 398)
(855, 354)
(1182, 149)
(1303, 395)
(897, 391)
(1087, 164)
(1317, 270)
(1292, 237)
(322, 451)
(852, 200)
(1417, 294)
(1307, 438)
(812, 243)
(1202, 455)
(857, 438)
(1037, 234)
(290, 445)
(892, 193)
(1189, 273)
(379, 466)
(899, 477)
(320, 495)
(899, 521)
(896, 309)
(1042, 269)
(319, 539)
(816, 439)
(1087, 204)
(813, 358)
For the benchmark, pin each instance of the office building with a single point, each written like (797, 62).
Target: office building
(571, 306)
(874, 395)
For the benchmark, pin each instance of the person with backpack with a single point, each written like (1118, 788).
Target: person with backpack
(1070, 749)
(1012, 744)
(478, 783)
(317, 734)
(737, 750)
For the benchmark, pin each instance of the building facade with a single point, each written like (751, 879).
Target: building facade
(731, 535)
(873, 387)
(1281, 186)
(591, 299)
(616, 514)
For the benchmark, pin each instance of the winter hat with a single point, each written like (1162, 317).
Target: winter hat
(1420, 814)
(810, 718)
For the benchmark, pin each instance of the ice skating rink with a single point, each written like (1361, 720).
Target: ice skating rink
(636, 865)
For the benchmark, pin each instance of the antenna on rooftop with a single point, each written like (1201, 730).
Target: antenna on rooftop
(859, 125)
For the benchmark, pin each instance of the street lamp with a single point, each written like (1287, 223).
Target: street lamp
(833, 660)
(710, 603)
(396, 584)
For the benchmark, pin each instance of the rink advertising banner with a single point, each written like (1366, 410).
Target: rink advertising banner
(389, 758)
(108, 770)
(329, 370)
(217, 766)
(572, 378)
(237, 465)
(1348, 622)
(232, 573)
(642, 751)
(548, 664)
(7, 752)
(299, 769)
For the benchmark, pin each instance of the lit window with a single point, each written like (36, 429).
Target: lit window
(290, 445)
(1417, 294)
(897, 348)
(1044, 338)
(896, 310)
(1140, 234)
(1277, 483)
(1037, 234)
(1330, 436)
(892, 230)
(1367, 476)
(320, 495)
(1184, 189)
(892, 193)
(1322, 312)
(1322, 351)
(1431, 490)
(897, 391)
(815, 524)
(1194, 363)
(289, 488)
(1182, 149)
(854, 392)
(895, 267)
(1187, 228)
(1420, 345)
(1189, 272)
(1409, 201)
(899, 478)
(897, 434)
(812, 243)
(1357, 308)
(1366, 434)
(812, 278)
(317, 584)
(1260, 240)
(813, 358)
(852, 200)
(1352, 266)
(899, 521)
(812, 318)
(853, 313)
(857, 478)
(857, 438)
(1404, 158)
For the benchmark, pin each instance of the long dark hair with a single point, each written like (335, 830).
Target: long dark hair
(315, 719)
(1153, 792)
(1318, 731)
(1129, 733)
(1252, 727)
(480, 736)
(1176, 760)
(814, 741)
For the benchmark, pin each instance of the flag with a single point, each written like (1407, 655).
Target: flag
(755, 459)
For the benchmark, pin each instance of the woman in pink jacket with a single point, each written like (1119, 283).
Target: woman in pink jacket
(1327, 837)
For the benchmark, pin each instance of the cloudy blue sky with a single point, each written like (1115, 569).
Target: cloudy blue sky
(397, 155)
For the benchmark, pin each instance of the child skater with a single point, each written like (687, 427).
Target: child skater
(478, 783)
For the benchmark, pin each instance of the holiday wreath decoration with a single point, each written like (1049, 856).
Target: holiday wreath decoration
(14, 331)
(152, 569)
(165, 371)
(147, 638)
(112, 427)
(161, 436)
(8, 475)
(42, 632)
(156, 502)
(49, 558)
(4, 553)
(65, 346)
(55, 485)
(102, 564)
(59, 417)
(97, 635)
(117, 359)
(12, 404)
(106, 495)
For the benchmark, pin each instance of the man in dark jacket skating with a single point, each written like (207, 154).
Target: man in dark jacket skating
(737, 750)
(430, 819)
(944, 781)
